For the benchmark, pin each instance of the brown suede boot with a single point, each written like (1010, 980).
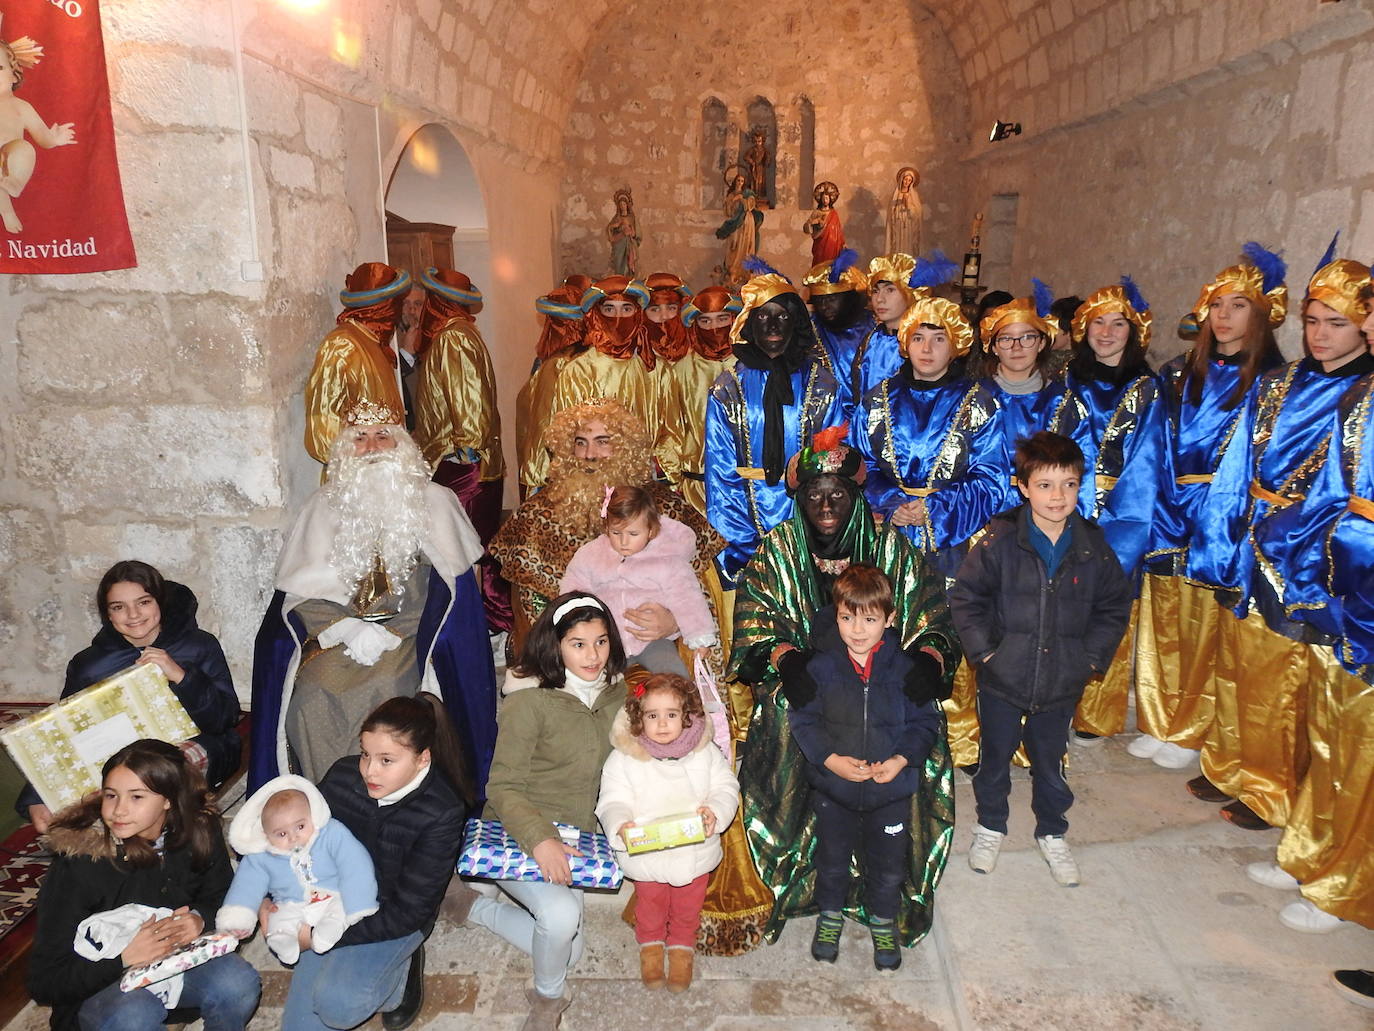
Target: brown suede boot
(680, 958)
(651, 965)
(545, 1013)
(457, 903)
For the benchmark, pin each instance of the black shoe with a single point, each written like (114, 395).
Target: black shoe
(1205, 791)
(1242, 816)
(887, 954)
(412, 998)
(971, 770)
(1355, 985)
(825, 943)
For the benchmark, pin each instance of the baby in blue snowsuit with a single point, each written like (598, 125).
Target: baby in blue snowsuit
(311, 866)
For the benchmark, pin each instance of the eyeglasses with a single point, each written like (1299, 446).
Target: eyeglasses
(1013, 343)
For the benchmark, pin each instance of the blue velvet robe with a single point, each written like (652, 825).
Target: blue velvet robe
(947, 438)
(1055, 408)
(742, 506)
(1278, 447)
(452, 635)
(841, 347)
(1130, 461)
(1331, 574)
(878, 356)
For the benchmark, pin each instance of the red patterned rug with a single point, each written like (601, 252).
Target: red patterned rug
(22, 862)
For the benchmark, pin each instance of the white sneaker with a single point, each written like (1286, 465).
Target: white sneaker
(1271, 875)
(1174, 757)
(1062, 866)
(1144, 747)
(982, 853)
(1304, 916)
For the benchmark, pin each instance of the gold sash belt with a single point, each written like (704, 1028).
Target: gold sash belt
(1105, 482)
(750, 474)
(1189, 478)
(1361, 507)
(919, 492)
(1265, 494)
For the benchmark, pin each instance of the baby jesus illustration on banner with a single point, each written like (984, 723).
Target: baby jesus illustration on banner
(17, 117)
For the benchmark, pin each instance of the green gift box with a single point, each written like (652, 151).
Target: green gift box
(665, 832)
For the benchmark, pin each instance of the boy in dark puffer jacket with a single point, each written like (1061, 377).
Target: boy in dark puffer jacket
(1040, 604)
(864, 741)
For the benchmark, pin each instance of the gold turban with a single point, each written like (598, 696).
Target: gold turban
(1338, 284)
(1248, 280)
(1022, 309)
(817, 281)
(895, 269)
(756, 293)
(1106, 301)
(936, 311)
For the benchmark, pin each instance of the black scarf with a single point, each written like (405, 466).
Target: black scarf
(777, 393)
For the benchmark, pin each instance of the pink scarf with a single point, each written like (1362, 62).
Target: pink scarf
(679, 747)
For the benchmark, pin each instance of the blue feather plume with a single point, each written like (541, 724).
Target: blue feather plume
(756, 266)
(843, 262)
(1133, 295)
(1272, 268)
(1330, 254)
(932, 271)
(1044, 298)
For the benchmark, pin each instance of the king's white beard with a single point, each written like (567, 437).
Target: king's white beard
(380, 503)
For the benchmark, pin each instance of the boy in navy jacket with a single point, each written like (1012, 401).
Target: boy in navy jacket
(1040, 604)
(864, 741)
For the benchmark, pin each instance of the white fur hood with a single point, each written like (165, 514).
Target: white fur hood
(246, 835)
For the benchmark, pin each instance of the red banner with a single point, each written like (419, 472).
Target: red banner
(61, 204)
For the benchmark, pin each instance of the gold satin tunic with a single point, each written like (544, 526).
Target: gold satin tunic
(349, 367)
(533, 409)
(683, 386)
(455, 400)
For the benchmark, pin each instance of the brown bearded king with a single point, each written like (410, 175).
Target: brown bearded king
(355, 361)
(535, 545)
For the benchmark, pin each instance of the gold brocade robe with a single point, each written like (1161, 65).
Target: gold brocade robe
(683, 386)
(455, 400)
(592, 374)
(350, 366)
(533, 409)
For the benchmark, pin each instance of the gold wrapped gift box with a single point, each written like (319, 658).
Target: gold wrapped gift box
(62, 748)
(667, 832)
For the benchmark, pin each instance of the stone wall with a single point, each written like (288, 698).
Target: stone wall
(1270, 146)
(155, 412)
(886, 92)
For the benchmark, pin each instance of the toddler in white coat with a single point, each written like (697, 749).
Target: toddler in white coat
(664, 763)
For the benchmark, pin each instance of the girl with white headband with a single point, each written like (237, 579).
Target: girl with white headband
(554, 738)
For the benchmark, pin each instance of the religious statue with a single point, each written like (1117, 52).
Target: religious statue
(904, 214)
(740, 230)
(623, 235)
(756, 160)
(823, 226)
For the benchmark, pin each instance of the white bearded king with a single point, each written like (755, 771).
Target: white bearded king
(378, 498)
(376, 599)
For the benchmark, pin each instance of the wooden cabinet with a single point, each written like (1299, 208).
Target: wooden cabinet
(416, 246)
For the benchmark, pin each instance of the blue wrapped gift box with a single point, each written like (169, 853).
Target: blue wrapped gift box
(489, 852)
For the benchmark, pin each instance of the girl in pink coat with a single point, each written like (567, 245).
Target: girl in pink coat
(644, 557)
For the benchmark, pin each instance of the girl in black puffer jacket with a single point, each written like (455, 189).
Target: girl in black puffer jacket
(152, 837)
(145, 618)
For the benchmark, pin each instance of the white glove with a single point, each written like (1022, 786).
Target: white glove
(363, 642)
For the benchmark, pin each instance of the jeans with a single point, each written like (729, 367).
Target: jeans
(225, 990)
(348, 984)
(1046, 736)
(667, 913)
(883, 839)
(546, 925)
